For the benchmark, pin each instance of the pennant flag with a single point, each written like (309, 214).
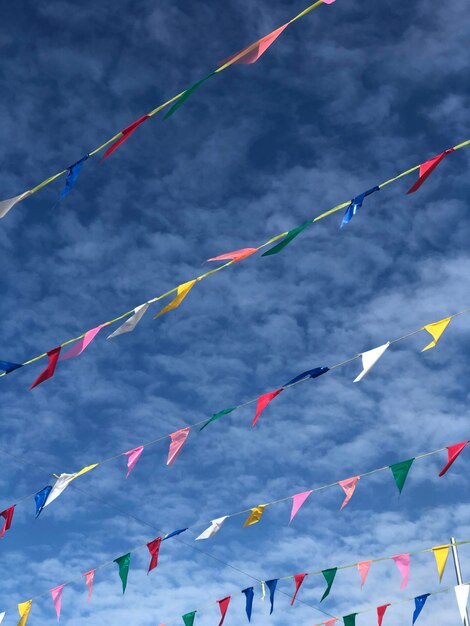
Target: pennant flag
(254, 51)
(255, 515)
(63, 482)
(2, 615)
(7, 367)
(178, 440)
(299, 579)
(315, 373)
(427, 168)
(7, 205)
(7, 514)
(50, 369)
(132, 322)
(349, 487)
(400, 472)
(350, 620)
(82, 344)
(186, 94)
(461, 593)
(363, 569)
(328, 2)
(356, 204)
(40, 499)
(174, 533)
(369, 359)
(435, 330)
(125, 134)
(292, 234)
(420, 601)
(249, 594)
(57, 599)
(216, 417)
(123, 562)
(189, 618)
(213, 529)
(329, 575)
(402, 561)
(441, 553)
(236, 255)
(381, 612)
(223, 606)
(182, 292)
(263, 402)
(72, 174)
(23, 609)
(297, 501)
(330, 622)
(452, 453)
(154, 549)
(89, 580)
(132, 457)
(272, 584)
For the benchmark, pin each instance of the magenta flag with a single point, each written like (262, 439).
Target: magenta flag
(263, 402)
(299, 579)
(348, 486)
(89, 579)
(427, 168)
(297, 501)
(132, 457)
(452, 453)
(330, 622)
(178, 440)
(236, 255)
(402, 561)
(363, 569)
(50, 369)
(253, 52)
(381, 612)
(82, 344)
(57, 599)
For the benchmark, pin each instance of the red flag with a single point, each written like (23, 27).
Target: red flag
(426, 169)
(263, 402)
(154, 549)
(252, 53)
(50, 369)
(299, 579)
(8, 515)
(236, 255)
(126, 133)
(223, 606)
(452, 453)
(381, 612)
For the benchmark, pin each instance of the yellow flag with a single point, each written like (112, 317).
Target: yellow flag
(441, 553)
(436, 329)
(23, 609)
(255, 515)
(183, 291)
(85, 470)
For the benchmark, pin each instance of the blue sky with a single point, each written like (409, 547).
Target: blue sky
(349, 96)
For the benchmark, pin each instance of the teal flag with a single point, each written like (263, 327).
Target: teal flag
(189, 618)
(292, 234)
(400, 472)
(186, 95)
(329, 575)
(123, 563)
(350, 620)
(216, 417)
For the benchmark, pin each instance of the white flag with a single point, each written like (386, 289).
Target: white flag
(461, 591)
(132, 322)
(2, 615)
(61, 484)
(369, 359)
(213, 529)
(6, 205)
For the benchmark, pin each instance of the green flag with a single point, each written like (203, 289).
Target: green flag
(189, 618)
(186, 95)
(292, 234)
(123, 563)
(400, 472)
(350, 620)
(329, 575)
(216, 417)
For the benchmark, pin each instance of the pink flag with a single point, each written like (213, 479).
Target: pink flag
(132, 457)
(81, 344)
(330, 622)
(299, 579)
(126, 133)
(154, 549)
(348, 486)
(57, 599)
(223, 605)
(363, 568)
(402, 561)
(328, 2)
(452, 453)
(297, 502)
(50, 369)
(252, 53)
(426, 169)
(263, 402)
(89, 579)
(7, 514)
(236, 255)
(381, 612)
(178, 440)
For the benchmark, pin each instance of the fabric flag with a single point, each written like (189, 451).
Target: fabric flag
(315, 373)
(420, 601)
(255, 515)
(154, 549)
(369, 359)
(402, 561)
(249, 594)
(329, 575)
(356, 204)
(330, 622)
(427, 168)
(349, 487)
(7, 515)
(2, 615)
(363, 569)
(213, 529)
(132, 322)
(174, 533)
(57, 599)
(461, 593)
(297, 501)
(186, 94)
(53, 356)
(64, 481)
(435, 330)
(350, 620)
(440, 554)
(400, 472)
(452, 453)
(223, 606)
(263, 402)
(236, 255)
(178, 439)
(271, 585)
(380, 613)
(123, 562)
(126, 133)
(72, 174)
(132, 457)
(89, 580)
(182, 292)
(7, 205)
(216, 417)
(7, 366)
(328, 2)
(189, 618)
(299, 579)
(23, 609)
(254, 51)
(82, 344)
(292, 234)
(40, 499)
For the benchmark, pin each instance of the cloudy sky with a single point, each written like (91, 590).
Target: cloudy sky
(348, 97)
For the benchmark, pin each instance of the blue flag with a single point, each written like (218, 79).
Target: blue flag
(174, 533)
(356, 204)
(315, 373)
(420, 601)
(40, 499)
(272, 584)
(7, 367)
(72, 175)
(249, 593)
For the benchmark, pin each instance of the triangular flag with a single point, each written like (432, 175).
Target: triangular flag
(249, 594)
(381, 612)
(255, 515)
(223, 606)
(290, 235)
(348, 486)
(315, 373)
(47, 373)
(426, 169)
(89, 580)
(452, 454)
(263, 402)
(132, 322)
(236, 255)
(178, 439)
(297, 501)
(363, 569)
(154, 549)
(461, 593)
(125, 134)
(441, 553)
(56, 594)
(356, 204)
(40, 499)
(7, 514)
(369, 359)
(350, 620)
(299, 579)
(7, 366)
(189, 618)
(400, 472)
(2, 615)
(123, 562)
(254, 51)
(216, 417)
(82, 344)
(329, 575)
(213, 529)
(182, 292)
(23, 609)
(186, 94)
(330, 622)
(64, 481)
(174, 533)
(435, 330)
(420, 601)
(271, 585)
(7, 205)
(132, 457)
(402, 561)
(72, 174)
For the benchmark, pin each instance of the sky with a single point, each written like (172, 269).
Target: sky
(347, 97)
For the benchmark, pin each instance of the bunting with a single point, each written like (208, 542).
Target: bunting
(461, 593)
(216, 416)
(249, 595)
(89, 580)
(125, 134)
(178, 439)
(82, 344)
(40, 499)
(123, 562)
(24, 609)
(441, 553)
(381, 612)
(363, 569)
(271, 585)
(7, 366)
(350, 620)
(57, 599)
(48, 372)
(7, 515)
(315, 373)
(420, 601)
(427, 168)
(186, 94)
(223, 606)
(7, 205)
(255, 515)
(154, 549)
(369, 359)
(356, 204)
(349, 487)
(452, 454)
(400, 472)
(299, 579)
(63, 482)
(182, 291)
(402, 561)
(72, 174)
(297, 502)
(289, 236)
(213, 529)
(254, 51)
(435, 330)
(263, 402)
(132, 457)
(132, 322)
(189, 618)
(329, 576)
(236, 255)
